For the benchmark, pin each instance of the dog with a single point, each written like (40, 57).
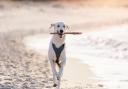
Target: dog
(56, 53)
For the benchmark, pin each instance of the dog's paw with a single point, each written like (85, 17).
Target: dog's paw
(54, 85)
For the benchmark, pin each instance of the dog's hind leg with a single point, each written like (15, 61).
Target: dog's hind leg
(54, 73)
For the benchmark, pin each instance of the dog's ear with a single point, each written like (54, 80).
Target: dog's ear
(67, 27)
(52, 25)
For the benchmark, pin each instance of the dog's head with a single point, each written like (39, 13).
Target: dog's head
(59, 28)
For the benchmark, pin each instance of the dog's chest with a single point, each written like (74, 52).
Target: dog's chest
(58, 50)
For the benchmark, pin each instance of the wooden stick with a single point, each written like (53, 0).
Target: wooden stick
(74, 33)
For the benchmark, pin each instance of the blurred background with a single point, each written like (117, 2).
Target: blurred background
(95, 2)
(78, 13)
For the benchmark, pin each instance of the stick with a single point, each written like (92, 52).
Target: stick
(74, 33)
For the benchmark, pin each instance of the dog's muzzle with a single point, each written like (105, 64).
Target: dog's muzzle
(60, 33)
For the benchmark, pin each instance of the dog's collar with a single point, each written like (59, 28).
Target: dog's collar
(58, 51)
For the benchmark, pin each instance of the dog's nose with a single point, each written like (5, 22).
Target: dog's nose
(61, 31)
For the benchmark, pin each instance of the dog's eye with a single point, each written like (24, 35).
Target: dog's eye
(58, 26)
(64, 26)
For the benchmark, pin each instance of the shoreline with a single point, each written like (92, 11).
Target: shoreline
(76, 74)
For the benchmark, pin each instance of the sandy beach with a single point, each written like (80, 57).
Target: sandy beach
(76, 75)
(24, 37)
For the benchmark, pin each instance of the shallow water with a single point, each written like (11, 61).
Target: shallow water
(107, 54)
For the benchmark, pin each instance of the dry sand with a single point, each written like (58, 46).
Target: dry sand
(19, 67)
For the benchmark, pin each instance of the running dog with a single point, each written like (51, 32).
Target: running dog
(56, 53)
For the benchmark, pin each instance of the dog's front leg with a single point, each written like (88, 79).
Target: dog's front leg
(54, 73)
(60, 73)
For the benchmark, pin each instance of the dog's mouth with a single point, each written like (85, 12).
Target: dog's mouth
(60, 34)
